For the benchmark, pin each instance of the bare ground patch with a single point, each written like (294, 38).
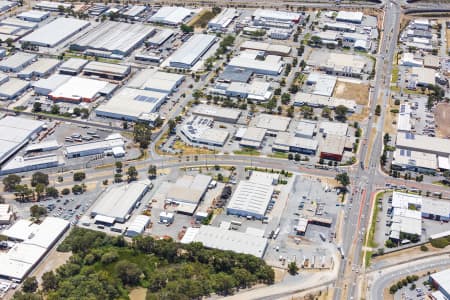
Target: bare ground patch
(352, 91)
(442, 117)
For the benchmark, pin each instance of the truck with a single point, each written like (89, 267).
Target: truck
(341, 251)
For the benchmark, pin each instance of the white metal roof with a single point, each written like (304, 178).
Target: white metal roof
(215, 111)
(402, 200)
(218, 238)
(273, 122)
(118, 200)
(286, 139)
(74, 64)
(350, 16)
(52, 82)
(152, 79)
(251, 197)
(423, 143)
(193, 49)
(17, 60)
(78, 88)
(33, 14)
(248, 60)
(55, 32)
(171, 15)
(137, 225)
(224, 18)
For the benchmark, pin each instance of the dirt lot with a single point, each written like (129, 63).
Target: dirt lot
(53, 260)
(442, 116)
(448, 39)
(352, 91)
(138, 294)
(360, 117)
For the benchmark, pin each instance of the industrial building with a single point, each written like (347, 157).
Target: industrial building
(305, 129)
(106, 70)
(16, 132)
(415, 161)
(274, 18)
(157, 81)
(21, 164)
(7, 5)
(333, 128)
(333, 147)
(118, 201)
(268, 48)
(13, 88)
(199, 130)
(113, 144)
(431, 61)
(113, 39)
(258, 63)
(350, 16)
(131, 104)
(171, 15)
(408, 60)
(17, 62)
(36, 241)
(251, 137)
(137, 226)
(187, 192)
(51, 6)
(272, 123)
(339, 64)
(6, 214)
(259, 91)
(45, 86)
(225, 239)
(33, 16)
(218, 113)
(48, 145)
(323, 84)
(233, 74)
(423, 143)
(250, 199)
(407, 221)
(160, 37)
(323, 101)
(223, 19)
(18, 23)
(434, 209)
(41, 68)
(134, 11)
(72, 66)
(339, 26)
(441, 282)
(285, 142)
(55, 32)
(192, 51)
(78, 89)
(422, 77)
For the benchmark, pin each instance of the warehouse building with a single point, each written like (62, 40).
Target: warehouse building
(339, 26)
(423, 143)
(41, 68)
(56, 32)
(131, 104)
(350, 16)
(431, 61)
(258, 63)
(113, 144)
(305, 129)
(106, 70)
(433, 209)
(233, 74)
(441, 282)
(187, 192)
(198, 130)
(333, 128)
(259, 91)
(423, 77)
(118, 201)
(192, 51)
(18, 23)
(274, 18)
(285, 142)
(250, 199)
(415, 161)
(171, 15)
(323, 84)
(16, 132)
(323, 101)
(26, 164)
(160, 37)
(405, 221)
(157, 81)
(269, 49)
(218, 113)
(228, 240)
(338, 64)
(45, 86)
(33, 16)
(20, 260)
(7, 5)
(51, 6)
(134, 11)
(72, 66)
(48, 145)
(113, 39)
(251, 137)
(17, 62)
(223, 19)
(333, 147)
(408, 60)
(6, 214)
(137, 226)
(272, 123)
(78, 89)
(13, 88)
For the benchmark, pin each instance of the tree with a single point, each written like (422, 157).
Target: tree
(285, 98)
(10, 182)
(77, 189)
(378, 110)
(142, 134)
(186, 29)
(37, 211)
(37, 107)
(216, 10)
(293, 268)
(297, 157)
(343, 179)
(9, 42)
(172, 125)
(65, 191)
(307, 112)
(132, 173)
(54, 110)
(49, 281)
(52, 192)
(341, 112)
(152, 170)
(39, 177)
(79, 176)
(119, 165)
(197, 94)
(39, 189)
(128, 272)
(326, 112)
(30, 285)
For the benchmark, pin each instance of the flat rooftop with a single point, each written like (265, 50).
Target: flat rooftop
(79, 88)
(272, 122)
(216, 112)
(251, 197)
